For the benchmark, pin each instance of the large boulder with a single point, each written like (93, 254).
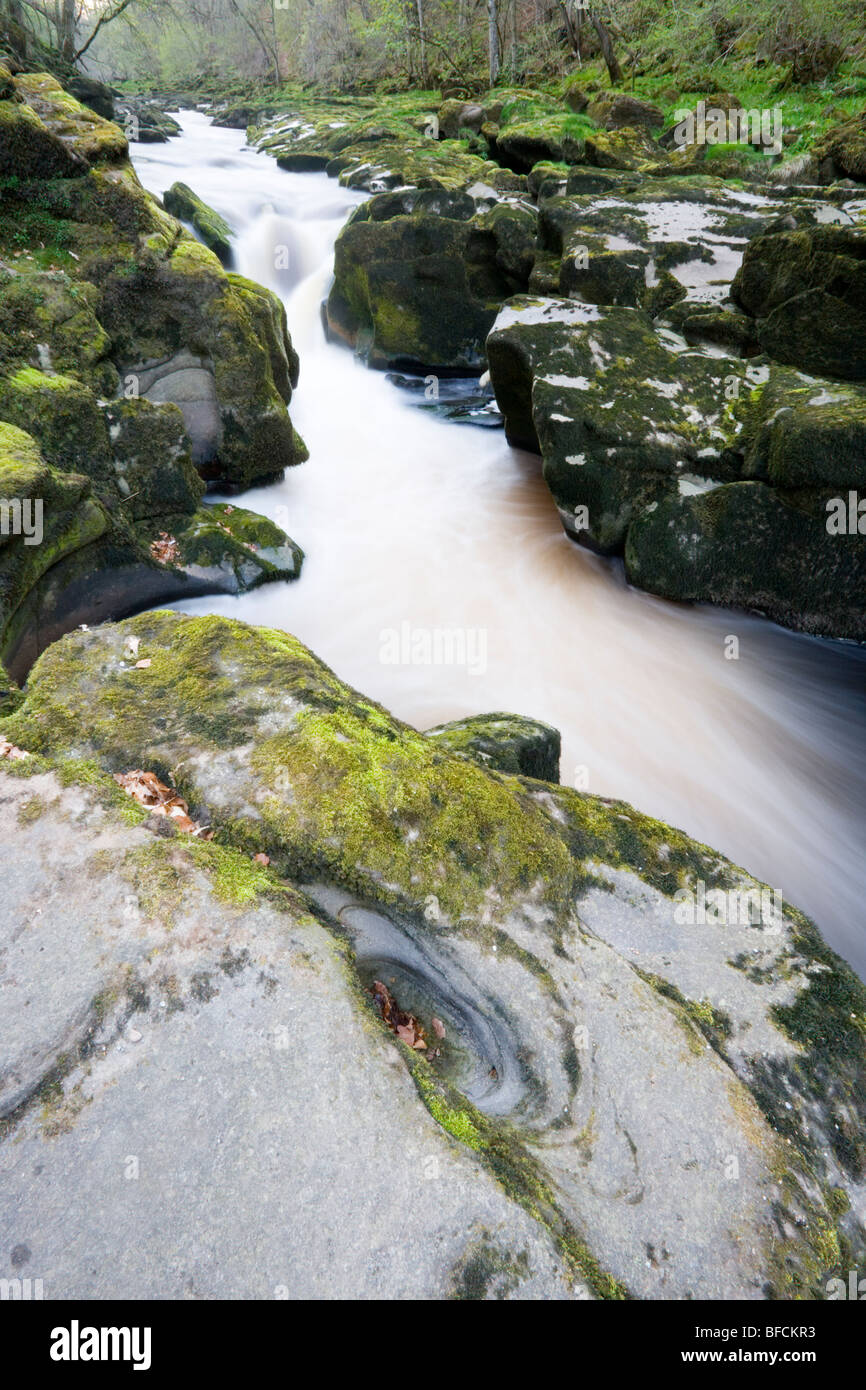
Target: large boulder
(616, 109)
(696, 467)
(620, 418)
(377, 150)
(644, 1051)
(456, 116)
(807, 290)
(194, 1023)
(88, 134)
(747, 545)
(626, 147)
(419, 277)
(93, 93)
(843, 149)
(27, 148)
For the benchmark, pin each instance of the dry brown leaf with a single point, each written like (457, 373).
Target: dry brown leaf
(165, 549)
(8, 750)
(146, 788)
(261, 859)
(406, 1026)
(438, 1027)
(142, 665)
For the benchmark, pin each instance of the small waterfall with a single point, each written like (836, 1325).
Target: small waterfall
(409, 520)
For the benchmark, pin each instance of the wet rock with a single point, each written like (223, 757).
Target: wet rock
(746, 545)
(146, 123)
(807, 291)
(506, 742)
(375, 154)
(422, 287)
(130, 359)
(206, 1013)
(620, 417)
(90, 92)
(646, 446)
(682, 1059)
(214, 231)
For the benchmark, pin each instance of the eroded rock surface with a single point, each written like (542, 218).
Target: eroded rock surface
(195, 1101)
(655, 1055)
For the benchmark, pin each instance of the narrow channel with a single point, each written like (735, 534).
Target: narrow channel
(409, 519)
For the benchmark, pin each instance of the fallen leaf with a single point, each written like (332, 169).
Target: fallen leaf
(261, 859)
(142, 665)
(131, 646)
(146, 788)
(438, 1027)
(165, 549)
(406, 1026)
(8, 750)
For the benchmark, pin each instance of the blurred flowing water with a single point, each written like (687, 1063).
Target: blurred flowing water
(411, 523)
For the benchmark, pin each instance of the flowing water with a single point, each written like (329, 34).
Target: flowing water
(413, 524)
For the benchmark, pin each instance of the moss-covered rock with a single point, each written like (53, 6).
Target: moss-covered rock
(546, 927)
(506, 742)
(746, 545)
(422, 287)
(627, 147)
(843, 148)
(130, 302)
(87, 134)
(45, 516)
(233, 549)
(616, 109)
(28, 147)
(395, 145)
(802, 433)
(48, 319)
(619, 417)
(93, 93)
(807, 290)
(135, 365)
(456, 115)
(214, 231)
(647, 445)
(526, 143)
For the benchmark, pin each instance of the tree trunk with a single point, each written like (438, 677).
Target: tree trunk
(67, 31)
(493, 40)
(607, 53)
(422, 40)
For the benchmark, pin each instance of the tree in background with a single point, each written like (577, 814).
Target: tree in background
(362, 45)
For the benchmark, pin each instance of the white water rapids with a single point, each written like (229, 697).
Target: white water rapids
(406, 518)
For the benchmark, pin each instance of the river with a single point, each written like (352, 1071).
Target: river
(413, 524)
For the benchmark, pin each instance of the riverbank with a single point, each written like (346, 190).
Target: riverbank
(329, 947)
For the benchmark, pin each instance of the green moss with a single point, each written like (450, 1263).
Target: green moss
(214, 231)
(31, 810)
(699, 1019)
(506, 1157)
